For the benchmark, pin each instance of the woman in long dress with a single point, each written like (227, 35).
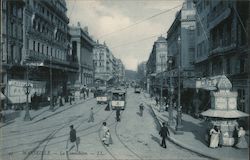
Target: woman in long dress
(214, 139)
(242, 143)
(107, 140)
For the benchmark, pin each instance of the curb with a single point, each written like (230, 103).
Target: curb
(173, 140)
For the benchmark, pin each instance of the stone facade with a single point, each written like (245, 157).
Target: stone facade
(226, 25)
(35, 44)
(82, 46)
(156, 63)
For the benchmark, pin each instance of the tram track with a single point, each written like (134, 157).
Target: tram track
(121, 141)
(117, 135)
(52, 134)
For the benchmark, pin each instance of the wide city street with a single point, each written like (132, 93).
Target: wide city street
(45, 137)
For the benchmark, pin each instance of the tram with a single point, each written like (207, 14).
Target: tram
(101, 95)
(118, 99)
(137, 89)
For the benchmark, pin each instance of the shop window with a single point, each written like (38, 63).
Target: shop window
(38, 47)
(228, 66)
(34, 45)
(242, 65)
(241, 100)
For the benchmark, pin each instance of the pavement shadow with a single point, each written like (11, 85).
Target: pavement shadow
(10, 116)
(158, 126)
(198, 130)
(138, 114)
(156, 139)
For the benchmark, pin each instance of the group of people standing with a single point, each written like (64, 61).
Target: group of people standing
(216, 138)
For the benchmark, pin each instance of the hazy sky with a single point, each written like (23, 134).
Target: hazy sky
(134, 44)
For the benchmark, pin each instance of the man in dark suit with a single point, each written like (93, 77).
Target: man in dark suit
(164, 133)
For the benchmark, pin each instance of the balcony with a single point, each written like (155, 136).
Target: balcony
(222, 49)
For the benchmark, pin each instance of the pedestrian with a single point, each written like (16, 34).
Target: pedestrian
(70, 98)
(107, 107)
(60, 101)
(220, 138)
(104, 129)
(141, 109)
(72, 140)
(87, 92)
(118, 115)
(107, 140)
(214, 137)
(91, 115)
(164, 133)
(156, 100)
(242, 143)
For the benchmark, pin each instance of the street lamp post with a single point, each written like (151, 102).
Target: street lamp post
(179, 124)
(161, 107)
(27, 88)
(51, 94)
(171, 89)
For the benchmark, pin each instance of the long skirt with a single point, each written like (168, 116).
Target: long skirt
(214, 140)
(242, 143)
(91, 118)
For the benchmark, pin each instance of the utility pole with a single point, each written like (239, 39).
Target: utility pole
(27, 88)
(171, 89)
(179, 125)
(161, 56)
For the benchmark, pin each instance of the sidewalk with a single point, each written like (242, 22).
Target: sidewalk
(40, 114)
(193, 137)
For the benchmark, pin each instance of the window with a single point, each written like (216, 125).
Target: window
(14, 10)
(51, 51)
(47, 51)
(34, 45)
(228, 66)
(242, 65)
(241, 100)
(38, 47)
(42, 48)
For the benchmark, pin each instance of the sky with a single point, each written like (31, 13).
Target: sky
(108, 20)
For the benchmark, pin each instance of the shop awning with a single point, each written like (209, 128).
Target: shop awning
(224, 113)
(2, 96)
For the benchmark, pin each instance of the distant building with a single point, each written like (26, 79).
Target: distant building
(156, 63)
(108, 69)
(82, 46)
(142, 74)
(120, 71)
(102, 63)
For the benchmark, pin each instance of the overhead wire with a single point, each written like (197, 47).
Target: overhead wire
(140, 40)
(73, 6)
(140, 21)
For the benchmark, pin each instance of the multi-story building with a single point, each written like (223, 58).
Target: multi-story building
(40, 53)
(102, 63)
(107, 67)
(181, 48)
(156, 64)
(82, 46)
(11, 40)
(120, 71)
(227, 49)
